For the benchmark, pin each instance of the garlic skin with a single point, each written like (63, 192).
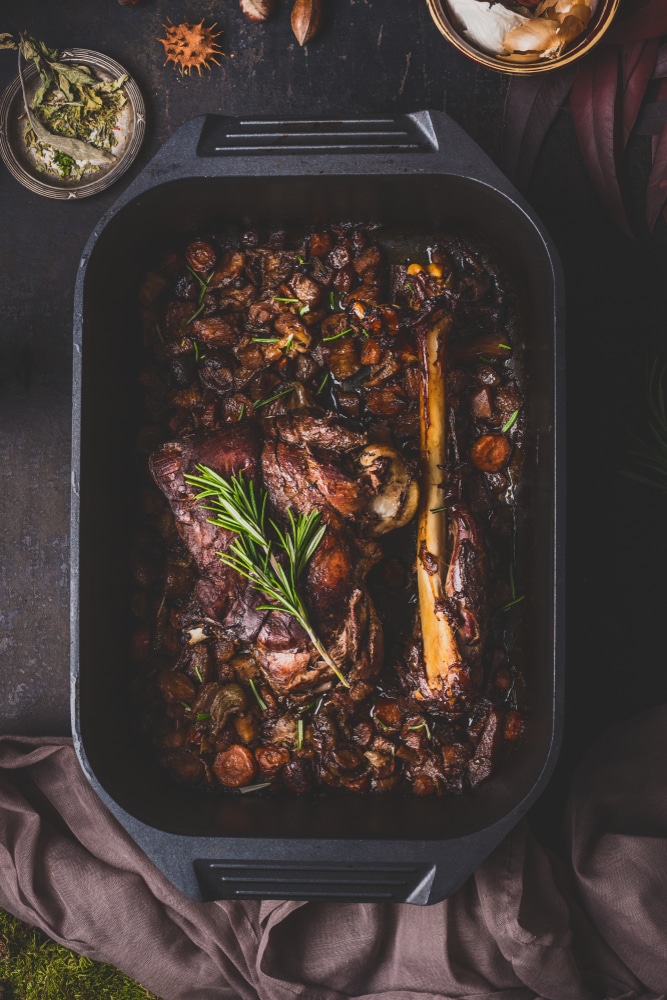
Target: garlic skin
(485, 25)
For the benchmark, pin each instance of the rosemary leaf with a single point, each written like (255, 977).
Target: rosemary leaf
(236, 506)
(510, 423)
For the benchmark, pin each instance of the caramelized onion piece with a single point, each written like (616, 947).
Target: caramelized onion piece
(490, 452)
(235, 767)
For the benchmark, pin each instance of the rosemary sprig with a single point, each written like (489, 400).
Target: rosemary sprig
(236, 506)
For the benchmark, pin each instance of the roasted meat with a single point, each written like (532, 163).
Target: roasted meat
(382, 399)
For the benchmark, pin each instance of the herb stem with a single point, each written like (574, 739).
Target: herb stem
(337, 335)
(510, 423)
(237, 507)
(260, 701)
(271, 399)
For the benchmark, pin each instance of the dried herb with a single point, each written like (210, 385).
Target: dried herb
(73, 115)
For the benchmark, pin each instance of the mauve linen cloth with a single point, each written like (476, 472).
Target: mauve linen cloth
(525, 925)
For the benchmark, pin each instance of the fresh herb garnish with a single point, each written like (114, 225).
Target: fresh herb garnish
(511, 422)
(381, 724)
(337, 335)
(304, 309)
(241, 412)
(265, 340)
(237, 507)
(279, 298)
(203, 289)
(199, 674)
(436, 510)
(202, 716)
(196, 349)
(255, 788)
(422, 725)
(300, 259)
(323, 383)
(488, 361)
(517, 600)
(299, 734)
(332, 300)
(505, 347)
(260, 701)
(271, 399)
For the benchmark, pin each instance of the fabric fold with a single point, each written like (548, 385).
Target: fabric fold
(526, 926)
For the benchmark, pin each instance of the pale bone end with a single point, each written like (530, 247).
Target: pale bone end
(442, 656)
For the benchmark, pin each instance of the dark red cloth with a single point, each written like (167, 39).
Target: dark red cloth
(524, 925)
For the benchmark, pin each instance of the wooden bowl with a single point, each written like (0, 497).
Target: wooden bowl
(599, 23)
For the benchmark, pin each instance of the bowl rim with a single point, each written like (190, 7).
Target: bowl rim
(100, 181)
(603, 18)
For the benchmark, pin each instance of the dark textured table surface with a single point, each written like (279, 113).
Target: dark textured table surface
(372, 56)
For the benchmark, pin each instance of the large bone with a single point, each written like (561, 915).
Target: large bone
(443, 661)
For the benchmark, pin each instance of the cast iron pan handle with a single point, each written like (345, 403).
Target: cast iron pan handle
(424, 142)
(306, 136)
(329, 882)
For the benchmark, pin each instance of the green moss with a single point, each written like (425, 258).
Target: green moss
(32, 967)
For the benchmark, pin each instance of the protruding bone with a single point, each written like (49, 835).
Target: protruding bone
(442, 655)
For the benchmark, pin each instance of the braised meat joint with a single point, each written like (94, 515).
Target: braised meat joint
(324, 557)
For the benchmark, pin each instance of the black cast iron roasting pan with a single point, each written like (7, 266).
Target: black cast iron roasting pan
(415, 174)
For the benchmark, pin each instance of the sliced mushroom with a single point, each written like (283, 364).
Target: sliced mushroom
(394, 490)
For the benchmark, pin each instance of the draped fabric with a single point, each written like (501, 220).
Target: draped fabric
(525, 925)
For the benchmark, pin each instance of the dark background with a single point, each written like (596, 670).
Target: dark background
(372, 56)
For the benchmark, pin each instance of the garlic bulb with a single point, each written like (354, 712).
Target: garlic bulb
(485, 25)
(495, 29)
